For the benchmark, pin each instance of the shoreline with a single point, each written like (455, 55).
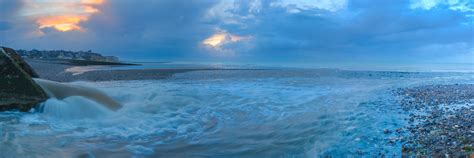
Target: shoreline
(57, 72)
(435, 125)
(66, 73)
(81, 62)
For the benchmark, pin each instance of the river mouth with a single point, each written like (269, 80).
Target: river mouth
(224, 113)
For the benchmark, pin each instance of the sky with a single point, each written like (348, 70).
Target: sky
(300, 31)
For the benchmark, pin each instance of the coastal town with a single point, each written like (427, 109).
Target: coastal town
(65, 55)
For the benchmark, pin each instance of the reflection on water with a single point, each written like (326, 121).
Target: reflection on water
(77, 70)
(224, 113)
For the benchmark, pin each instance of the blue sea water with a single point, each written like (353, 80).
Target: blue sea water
(225, 113)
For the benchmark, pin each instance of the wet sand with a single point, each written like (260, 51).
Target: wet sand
(58, 72)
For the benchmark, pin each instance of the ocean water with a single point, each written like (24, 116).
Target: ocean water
(225, 113)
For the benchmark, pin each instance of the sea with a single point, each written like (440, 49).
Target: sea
(229, 111)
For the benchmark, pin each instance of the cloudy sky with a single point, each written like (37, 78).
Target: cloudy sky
(306, 31)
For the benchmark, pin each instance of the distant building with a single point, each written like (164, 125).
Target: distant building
(92, 56)
(111, 59)
(62, 54)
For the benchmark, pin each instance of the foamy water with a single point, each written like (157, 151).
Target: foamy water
(248, 113)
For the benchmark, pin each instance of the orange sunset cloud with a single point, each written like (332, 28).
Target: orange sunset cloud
(62, 22)
(92, 1)
(62, 15)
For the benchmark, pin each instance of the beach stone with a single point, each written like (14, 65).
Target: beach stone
(17, 90)
(442, 126)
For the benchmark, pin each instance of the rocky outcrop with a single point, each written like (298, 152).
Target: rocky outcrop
(17, 90)
(17, 59)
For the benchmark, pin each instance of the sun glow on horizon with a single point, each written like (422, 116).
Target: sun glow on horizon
(215, 40)
(223, 43)
(221, 38)
(61, 15)
(62, 23)
(93, 1)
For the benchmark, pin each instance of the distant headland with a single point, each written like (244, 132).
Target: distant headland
(71, 57)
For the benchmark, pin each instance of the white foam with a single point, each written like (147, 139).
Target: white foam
(179, 113)
(74, 108)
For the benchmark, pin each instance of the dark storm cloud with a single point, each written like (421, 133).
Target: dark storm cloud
(4, 25)
(151, 28)
(381, 30)
(148, 29)
(8, 9)
(163, 29)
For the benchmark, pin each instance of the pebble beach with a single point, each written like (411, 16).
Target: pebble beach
(441, 119)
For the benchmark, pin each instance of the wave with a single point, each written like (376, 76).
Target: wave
(74, 107)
